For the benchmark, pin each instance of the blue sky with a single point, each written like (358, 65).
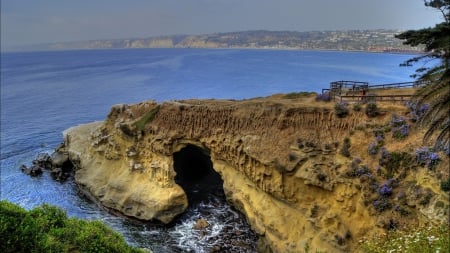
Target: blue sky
(39, 21)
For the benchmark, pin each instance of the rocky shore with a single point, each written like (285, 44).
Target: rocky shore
(280, 161)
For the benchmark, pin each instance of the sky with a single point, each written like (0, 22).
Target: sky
(25, 22)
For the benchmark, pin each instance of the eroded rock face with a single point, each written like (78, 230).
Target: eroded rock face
(278, 161)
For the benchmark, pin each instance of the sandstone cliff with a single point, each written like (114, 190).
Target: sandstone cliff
(279, 159)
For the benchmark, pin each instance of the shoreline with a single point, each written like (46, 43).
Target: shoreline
(213, 48)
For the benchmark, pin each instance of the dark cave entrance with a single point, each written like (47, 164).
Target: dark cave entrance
(196, 175)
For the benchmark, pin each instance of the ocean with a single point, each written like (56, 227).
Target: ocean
(44, 93)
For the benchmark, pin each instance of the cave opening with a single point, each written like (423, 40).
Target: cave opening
(196, 175)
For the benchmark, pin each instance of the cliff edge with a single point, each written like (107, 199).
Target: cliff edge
(281, 161)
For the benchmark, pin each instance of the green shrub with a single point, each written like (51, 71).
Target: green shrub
(345, 151)
(357, 107)
(47, 229)
(445, 185)
(372, 110)
(394, 161)
(148, 117)
(294, 95)
(341, 109)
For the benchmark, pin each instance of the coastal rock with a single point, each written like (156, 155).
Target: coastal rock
(201, 224)
(33, 171)
(59, 159)
(43, 160)
(278, 158)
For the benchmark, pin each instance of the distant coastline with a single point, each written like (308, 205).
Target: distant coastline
(380, 41)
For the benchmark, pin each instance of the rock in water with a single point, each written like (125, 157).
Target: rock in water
(33, 171)
(43, 160)
(201, 224)
(58, 159)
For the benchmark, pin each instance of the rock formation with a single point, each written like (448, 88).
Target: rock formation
(279, 160)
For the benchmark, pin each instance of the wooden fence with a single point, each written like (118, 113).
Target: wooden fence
(374, 98)
(347, 90)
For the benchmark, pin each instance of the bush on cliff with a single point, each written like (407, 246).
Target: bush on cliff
(372, 110)
(345, 151)
(341, 109)
(48, 229)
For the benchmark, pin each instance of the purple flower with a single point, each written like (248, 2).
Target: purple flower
(379, 137)
(323, 97)
(400, 131)
(385, 190)
(425, 157)
(417, 110)
(373, 148)
(434, 156)
(384, 153)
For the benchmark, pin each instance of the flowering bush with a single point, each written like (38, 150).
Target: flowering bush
(359, 171)
(397, 121)
(381, 204)
(399, 126)
(426, 157)
(385, 190)
(385, 154)
(373, 148)
(323, 97)
(379, 137)
(416, 110)
(442, 146)
(394, 161)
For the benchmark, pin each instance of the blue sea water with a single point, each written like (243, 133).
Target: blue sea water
(44, 93)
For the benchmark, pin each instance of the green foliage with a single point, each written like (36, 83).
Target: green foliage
(437, 92)
(424, 240)
(148, 117)
(302, 94)
(341, 110)
(395, 161)
(307, 249)
(345, 151)
(372, 110)
(445, 185)
(47, 229)
(357, 107)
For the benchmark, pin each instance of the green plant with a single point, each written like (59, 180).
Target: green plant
(372, 110)
(394, 161)
(341, 109)
(301, 94)
(148, 117)
(357, 107)
(436, 75)
(345, 151)
(445, 185)
(47, 229)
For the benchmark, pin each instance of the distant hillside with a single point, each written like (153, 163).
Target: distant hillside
(356, 40)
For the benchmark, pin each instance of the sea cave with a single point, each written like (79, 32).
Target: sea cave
(195, 173)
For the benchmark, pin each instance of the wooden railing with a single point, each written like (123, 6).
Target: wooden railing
(398, 85)
(375, 98)
(346, 90)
